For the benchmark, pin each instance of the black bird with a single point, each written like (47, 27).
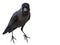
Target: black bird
(19, 19)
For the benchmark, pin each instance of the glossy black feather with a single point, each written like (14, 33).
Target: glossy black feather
(18, 19)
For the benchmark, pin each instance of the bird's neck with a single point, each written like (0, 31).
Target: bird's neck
(25, 14)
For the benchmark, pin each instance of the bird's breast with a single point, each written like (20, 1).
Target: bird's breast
(23, 19)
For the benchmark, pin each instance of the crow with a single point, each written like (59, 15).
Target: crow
(19, 19)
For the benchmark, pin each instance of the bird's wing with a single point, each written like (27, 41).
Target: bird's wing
(29, 16)
(13, 19)
(11, 25)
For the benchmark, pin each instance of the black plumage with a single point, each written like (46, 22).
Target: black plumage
(19, 19)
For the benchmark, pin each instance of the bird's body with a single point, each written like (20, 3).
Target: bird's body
(19, 19)
(16, 21)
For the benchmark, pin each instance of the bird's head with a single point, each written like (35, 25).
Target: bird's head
(25, 8)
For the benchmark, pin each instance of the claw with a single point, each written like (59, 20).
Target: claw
(26, 38)
(13, 39)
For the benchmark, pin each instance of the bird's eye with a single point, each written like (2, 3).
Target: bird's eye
(25, 9)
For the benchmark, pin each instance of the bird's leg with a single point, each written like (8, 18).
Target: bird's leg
(12, 39)
(25, 36)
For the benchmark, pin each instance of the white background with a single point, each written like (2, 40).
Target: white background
(43, 27)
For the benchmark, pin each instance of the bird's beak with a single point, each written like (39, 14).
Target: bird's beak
(25, 9)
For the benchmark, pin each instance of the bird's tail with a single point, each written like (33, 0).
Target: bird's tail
(9, 29)
(6, 30)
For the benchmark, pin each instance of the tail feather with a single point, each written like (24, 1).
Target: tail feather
(6, 30)
(9, 29)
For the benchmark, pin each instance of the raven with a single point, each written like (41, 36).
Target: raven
(19, 19)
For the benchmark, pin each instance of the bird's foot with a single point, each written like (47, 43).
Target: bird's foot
(26, 37)
(13, 39)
